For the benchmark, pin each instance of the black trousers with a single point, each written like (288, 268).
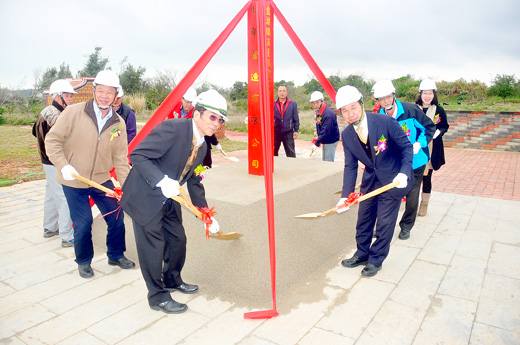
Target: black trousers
(288, 143)
(412, 201)
(161, 246)
(382, 211)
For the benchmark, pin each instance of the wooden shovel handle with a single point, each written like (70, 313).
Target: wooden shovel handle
(186, 202)
(92, 183)
(378, 191)
(224, 153)
(366, 196)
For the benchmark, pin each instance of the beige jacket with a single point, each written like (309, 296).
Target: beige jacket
(74, 140)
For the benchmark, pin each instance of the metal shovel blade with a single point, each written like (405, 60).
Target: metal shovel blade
(309, 215)
(226, 237)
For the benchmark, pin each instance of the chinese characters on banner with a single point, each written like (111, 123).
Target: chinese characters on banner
(255, 158)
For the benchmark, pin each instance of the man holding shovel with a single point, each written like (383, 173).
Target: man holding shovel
(171, 155)
(380, 144)
(89, 139)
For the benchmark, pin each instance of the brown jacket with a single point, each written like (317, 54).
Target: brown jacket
(74, 140)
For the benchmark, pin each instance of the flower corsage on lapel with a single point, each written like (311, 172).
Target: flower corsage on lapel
(116, 132)
(199, 171)
(436, 119)
(405, 129)
(381, 145)
(318, 119)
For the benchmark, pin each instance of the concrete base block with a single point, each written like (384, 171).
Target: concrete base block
(239, 270)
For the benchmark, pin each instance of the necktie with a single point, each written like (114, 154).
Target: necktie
(191, 159)
(362, 137)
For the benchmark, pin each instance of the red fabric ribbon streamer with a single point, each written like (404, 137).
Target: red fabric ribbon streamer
(207, 213)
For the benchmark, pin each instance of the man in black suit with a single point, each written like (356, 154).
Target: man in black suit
(380, 144)
(164, 160)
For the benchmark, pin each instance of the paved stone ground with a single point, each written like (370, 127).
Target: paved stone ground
(455, 281)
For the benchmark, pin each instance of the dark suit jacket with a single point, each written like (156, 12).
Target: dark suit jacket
(162, 152)
(385, 165)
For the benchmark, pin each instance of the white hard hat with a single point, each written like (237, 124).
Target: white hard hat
(121, 93)
(108, 78)
(316, 96)
(427, 84)
(61, 86)
(383, 87)
(214, 102)
(190, 95)
(347, 94)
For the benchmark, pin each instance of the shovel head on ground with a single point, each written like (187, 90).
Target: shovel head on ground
(364, 197)
(183, 200)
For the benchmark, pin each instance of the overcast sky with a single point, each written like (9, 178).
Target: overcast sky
(440, 39)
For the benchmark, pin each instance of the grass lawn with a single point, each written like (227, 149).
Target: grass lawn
(19, 157)
(20, 160)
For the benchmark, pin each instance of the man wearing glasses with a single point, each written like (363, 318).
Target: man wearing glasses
(164, 160)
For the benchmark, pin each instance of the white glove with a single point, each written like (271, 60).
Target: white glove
(342, 209)
(67, 171)
(436, 134)
(402, 179)
(169, 187)
(218, 147)
(416, 147)
(214, 227)
(314, 147)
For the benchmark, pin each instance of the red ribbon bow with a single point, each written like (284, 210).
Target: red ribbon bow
(207, 213)
(353, 199)
(117, 193)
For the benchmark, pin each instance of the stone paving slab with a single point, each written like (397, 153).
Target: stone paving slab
(456, 281)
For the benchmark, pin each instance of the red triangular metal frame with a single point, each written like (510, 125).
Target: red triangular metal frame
(265, 112)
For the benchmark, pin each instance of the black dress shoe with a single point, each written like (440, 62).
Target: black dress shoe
(370, 270)
(85, 271)
(124, 263)
(353, 262)
(184, 288)
(404, 234)
(170, 307)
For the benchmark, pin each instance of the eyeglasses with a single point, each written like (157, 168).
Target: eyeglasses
(215, 118)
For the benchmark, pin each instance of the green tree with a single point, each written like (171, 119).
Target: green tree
(95, 64)
(64, 71)
(131, 78)
(312, 85)
(504, 86)
(406, 87)
(238, 91)
(52, 74)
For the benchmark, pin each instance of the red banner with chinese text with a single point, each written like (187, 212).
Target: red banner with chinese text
(255, 141)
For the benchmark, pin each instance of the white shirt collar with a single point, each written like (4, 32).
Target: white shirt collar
(364, 126)
(200, 139)
(100, 121)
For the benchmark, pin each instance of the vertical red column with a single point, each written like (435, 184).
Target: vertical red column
(269, 26)
(254, 130)
(255, 141)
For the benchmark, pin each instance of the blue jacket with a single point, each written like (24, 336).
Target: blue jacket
(417, 126)
(290, 121)
(394, 156)
(327, 129)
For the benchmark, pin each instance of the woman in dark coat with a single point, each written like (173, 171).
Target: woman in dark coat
(427, 100)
